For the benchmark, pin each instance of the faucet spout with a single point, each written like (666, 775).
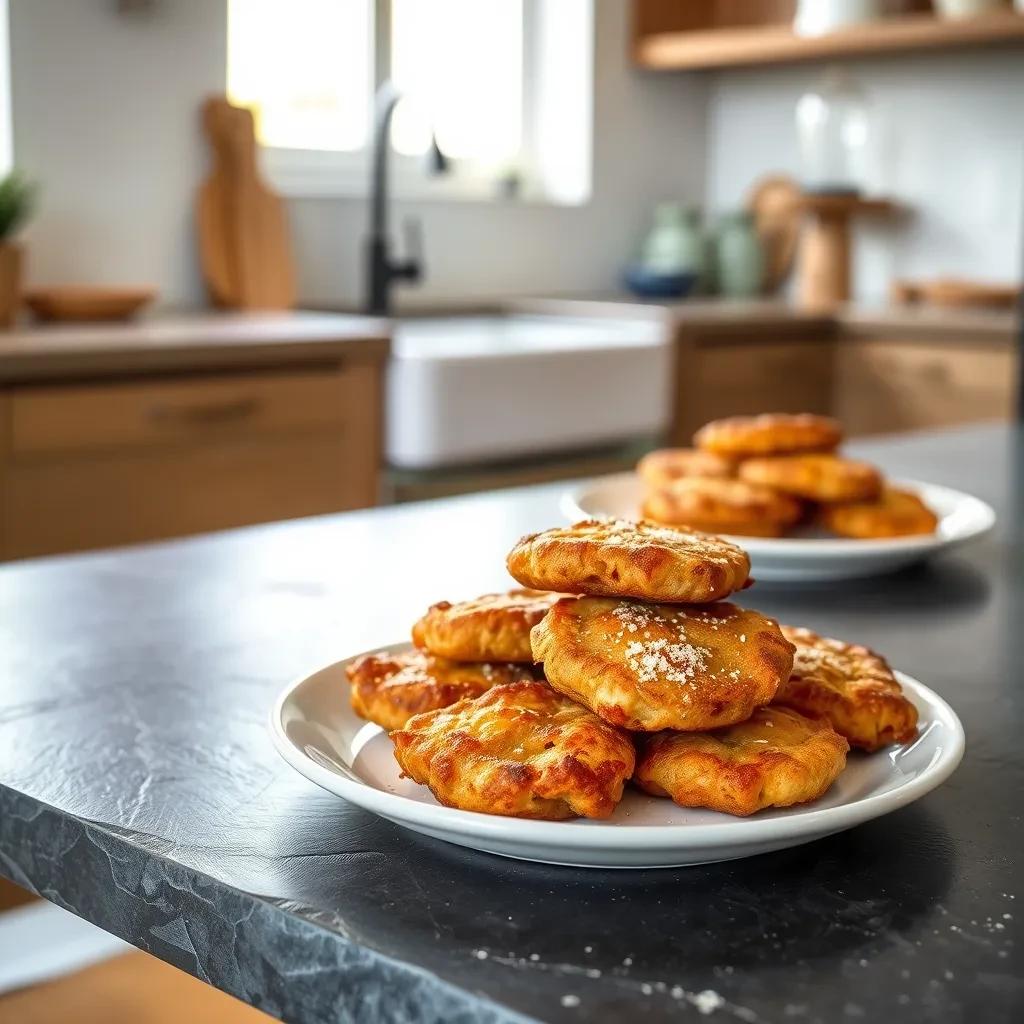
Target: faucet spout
(381, 268)
(384, 108)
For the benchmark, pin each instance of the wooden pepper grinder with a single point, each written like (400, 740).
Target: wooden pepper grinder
(823, 260)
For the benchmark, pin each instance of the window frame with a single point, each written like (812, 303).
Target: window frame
(305, 173)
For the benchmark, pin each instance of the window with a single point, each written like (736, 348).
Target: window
(486, 78)
(463, 61)
(304, 67)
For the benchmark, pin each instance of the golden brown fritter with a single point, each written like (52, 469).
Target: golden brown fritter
(618, 558)
(895, 514)
(520, 750)
(849, 685)
(495, 627)
(656, 666)
(776, 758)
(824, 478)
(661, 467)
(723, 506)
(773, 433)
(390, 688)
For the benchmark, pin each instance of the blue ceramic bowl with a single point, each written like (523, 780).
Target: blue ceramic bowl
(650, 284)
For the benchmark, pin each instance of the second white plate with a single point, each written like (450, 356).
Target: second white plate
(316, 731)
(962, 518)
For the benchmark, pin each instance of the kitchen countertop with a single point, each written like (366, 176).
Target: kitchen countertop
(213, 341)
(711, 317)
(138, 787)
(187, 341)
(932, 322)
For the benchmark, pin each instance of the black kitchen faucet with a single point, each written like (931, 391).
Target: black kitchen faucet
(381, 268)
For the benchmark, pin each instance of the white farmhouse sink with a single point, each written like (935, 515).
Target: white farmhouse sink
(470, 389)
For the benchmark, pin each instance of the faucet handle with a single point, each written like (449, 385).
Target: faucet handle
(412, 264)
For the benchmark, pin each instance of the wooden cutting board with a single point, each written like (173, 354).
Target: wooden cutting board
(244, 244)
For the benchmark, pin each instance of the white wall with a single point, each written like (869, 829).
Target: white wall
(950, 145)
(6, 137)
(106, 116)
(105, 111)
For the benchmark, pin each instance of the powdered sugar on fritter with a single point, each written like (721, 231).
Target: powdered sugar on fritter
(653, 660)
(676, 660)
(626, 533)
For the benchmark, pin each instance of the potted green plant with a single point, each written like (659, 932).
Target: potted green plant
(17, 199)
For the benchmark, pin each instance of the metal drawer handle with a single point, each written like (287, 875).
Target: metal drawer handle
(206, 413)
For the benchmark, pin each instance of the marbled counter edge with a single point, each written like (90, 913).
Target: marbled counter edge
(236, 941)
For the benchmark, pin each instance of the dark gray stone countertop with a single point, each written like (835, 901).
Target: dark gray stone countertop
(138, 788)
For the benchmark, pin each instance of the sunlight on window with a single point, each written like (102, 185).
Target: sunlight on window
(305, 68)
(460, 63)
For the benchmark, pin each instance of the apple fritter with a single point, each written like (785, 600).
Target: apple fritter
(390, 688)
(655, 666)
(895, 514)
(825, 478)
(773, 433)
(851, 687)
(776, 758)
(665, 465)
(495, 627)
(619, 558)
(520, 750)
(723, 506)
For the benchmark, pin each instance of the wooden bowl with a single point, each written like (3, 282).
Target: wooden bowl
(86, 302)
(953, 291)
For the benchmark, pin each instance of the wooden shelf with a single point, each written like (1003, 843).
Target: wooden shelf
(777, 44)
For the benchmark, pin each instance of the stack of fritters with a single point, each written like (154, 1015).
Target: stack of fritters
(647, 674)
(759, 476)
(659, 653)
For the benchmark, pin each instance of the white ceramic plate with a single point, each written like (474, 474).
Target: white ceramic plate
(317, 733)
(810, 557)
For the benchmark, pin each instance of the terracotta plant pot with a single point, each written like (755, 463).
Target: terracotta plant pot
(10, 282)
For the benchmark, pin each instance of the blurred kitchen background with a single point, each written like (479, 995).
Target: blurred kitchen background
(264, 259)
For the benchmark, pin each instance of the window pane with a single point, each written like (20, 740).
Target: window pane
(305, 68)
(460, 63)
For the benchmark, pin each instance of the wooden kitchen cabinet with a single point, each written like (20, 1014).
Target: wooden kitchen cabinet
(882, 372)
(889, 385)
(737, 377)
(106, 458)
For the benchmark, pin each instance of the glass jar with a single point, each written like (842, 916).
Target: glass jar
(832, 122)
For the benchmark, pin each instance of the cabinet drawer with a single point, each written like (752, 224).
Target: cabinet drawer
(776, 371)
(138, 495)
(131, 462)
(735, 379)
(890, 385)
(184, 410)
